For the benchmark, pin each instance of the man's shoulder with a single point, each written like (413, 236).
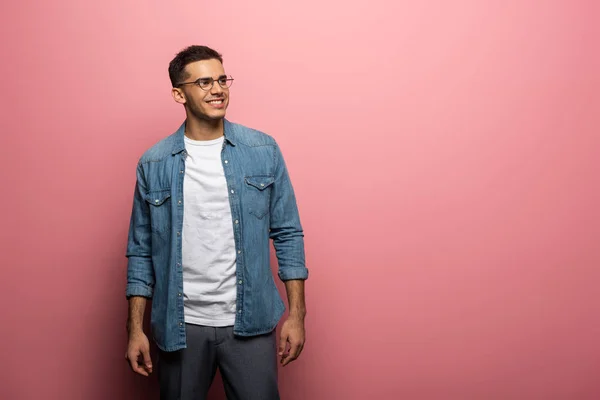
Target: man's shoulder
(252, 137)
(159, 151)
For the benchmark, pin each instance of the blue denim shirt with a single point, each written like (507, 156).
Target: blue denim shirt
(263, 207)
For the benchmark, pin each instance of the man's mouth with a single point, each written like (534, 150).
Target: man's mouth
(216, 102)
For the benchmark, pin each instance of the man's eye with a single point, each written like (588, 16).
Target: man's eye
(205, 82)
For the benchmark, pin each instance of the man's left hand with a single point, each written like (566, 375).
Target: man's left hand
(292, 333)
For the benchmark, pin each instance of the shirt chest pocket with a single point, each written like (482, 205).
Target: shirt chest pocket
(257, 194)
(159, 203)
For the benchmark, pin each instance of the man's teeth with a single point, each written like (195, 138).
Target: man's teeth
(216, 101)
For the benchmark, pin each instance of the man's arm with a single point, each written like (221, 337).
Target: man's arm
(140, 279)
(295, 295)
(293, 335)
(140, 273)
(288, 240)
(135, 319)
(286, 229)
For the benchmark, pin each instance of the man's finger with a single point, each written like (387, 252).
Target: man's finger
(147, 360)
(133, 363)
(293, 354)
(139, 368)
(282, 344)
(300, 350)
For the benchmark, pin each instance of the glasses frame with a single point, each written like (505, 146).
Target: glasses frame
(228, 82)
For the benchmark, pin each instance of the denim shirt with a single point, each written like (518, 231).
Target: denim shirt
(263, 207)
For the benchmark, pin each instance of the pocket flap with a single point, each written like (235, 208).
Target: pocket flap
(158, 197)
(260, 182)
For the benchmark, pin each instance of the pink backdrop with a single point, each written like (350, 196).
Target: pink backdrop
(445, 156)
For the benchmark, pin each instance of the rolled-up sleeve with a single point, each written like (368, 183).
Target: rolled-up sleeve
(140, 272)
(285, 228)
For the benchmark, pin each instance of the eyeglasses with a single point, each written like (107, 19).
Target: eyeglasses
(207, 83)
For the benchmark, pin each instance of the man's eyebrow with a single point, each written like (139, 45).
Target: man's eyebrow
(210, 77)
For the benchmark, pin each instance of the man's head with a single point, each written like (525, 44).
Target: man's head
(199, 82)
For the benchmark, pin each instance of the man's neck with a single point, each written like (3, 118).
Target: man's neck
(198, 129)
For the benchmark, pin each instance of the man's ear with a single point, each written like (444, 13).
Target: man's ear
(178, 95)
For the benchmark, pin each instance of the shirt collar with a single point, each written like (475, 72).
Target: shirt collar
(179, 144)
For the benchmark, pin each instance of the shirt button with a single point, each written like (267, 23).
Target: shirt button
(240, 311)
(179, 202)
(178, 233)
(240, 282)
(262, 184)
(179, 294)
(181, 324)
(239, 252)
(181, 172)
(231, 192)
(237, 222)
(226, 161)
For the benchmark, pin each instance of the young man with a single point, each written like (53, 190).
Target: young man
(207, 200)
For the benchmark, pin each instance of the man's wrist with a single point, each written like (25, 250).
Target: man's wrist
(134, 328)
(298, 315)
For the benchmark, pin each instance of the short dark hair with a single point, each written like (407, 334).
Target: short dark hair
(189, 55)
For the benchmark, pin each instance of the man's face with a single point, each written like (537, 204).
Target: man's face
(209, 103)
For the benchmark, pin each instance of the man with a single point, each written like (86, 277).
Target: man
(208, 198)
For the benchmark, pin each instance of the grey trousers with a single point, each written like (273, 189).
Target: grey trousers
(248, 365)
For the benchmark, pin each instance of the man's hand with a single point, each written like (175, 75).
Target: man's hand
(292, 333)
(139, 347)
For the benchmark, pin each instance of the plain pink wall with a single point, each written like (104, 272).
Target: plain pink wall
(445, 156)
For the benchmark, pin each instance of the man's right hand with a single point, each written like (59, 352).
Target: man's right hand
(138, 353)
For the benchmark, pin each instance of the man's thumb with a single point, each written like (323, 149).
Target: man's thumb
(147, 359)
(282, 341)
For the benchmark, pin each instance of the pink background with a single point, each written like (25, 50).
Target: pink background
(445, 156)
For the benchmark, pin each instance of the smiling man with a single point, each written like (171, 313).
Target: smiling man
(208, 199)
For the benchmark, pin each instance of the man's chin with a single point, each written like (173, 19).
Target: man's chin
(211, 116)
(216, 113)
(217, 117)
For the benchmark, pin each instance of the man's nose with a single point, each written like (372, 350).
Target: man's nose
(216, 88)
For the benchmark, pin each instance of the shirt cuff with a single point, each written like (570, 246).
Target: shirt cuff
(136, 289)
(289, 274)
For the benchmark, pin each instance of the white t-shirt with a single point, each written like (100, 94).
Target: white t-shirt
(209, 260)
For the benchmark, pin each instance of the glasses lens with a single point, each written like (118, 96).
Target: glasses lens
(225, 82)
(205, 84)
